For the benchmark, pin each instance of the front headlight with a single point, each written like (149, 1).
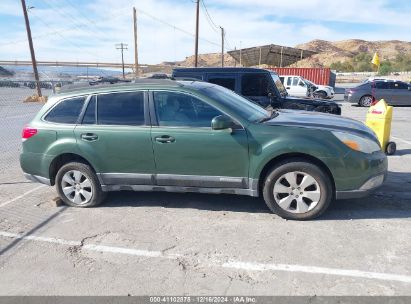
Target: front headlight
(357, 143)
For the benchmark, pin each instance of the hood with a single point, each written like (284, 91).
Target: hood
(315, 120)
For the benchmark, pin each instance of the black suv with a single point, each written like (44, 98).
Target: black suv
(261, 86)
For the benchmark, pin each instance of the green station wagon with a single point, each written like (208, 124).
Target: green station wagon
(190, 136)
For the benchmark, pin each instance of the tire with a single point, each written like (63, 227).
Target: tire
(318, 188)
(78, 186)
(365, 101)
(391, 148)
(320, 94)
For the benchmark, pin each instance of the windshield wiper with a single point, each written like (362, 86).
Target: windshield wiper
(273, 114)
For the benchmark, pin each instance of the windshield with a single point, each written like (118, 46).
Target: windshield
(279, 85)
(236, 103)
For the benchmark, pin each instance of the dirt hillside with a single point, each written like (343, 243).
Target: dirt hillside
(330, 52)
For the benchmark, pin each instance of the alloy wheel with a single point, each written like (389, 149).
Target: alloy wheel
(297, 192)
(76, 187)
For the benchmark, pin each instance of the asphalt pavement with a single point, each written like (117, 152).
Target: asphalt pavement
(197, 244)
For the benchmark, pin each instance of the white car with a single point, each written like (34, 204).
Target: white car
(295, 85)
(321, 91)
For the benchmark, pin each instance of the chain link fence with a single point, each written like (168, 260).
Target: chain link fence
(14, 114)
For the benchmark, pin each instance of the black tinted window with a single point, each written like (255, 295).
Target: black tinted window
(254, 85)
(400, 86)
(382, 85)
(176, 109)
(67, 111)
(228, 83)
(121, 109)
(90, 115)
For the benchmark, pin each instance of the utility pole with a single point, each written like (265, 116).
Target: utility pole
(222, 46)
(135, 42)
(33, 57)
(196, 39)
(122, 46)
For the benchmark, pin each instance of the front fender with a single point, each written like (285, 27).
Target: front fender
(321, 146)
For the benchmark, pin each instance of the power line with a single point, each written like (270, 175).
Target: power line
(175, 27)
(209, 19)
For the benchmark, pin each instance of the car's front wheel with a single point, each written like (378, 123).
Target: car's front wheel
(78, 186)
(297, 190)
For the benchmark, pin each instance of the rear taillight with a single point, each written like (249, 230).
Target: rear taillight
(28, 132)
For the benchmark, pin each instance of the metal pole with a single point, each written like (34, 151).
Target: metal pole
(196, 39)
(241, 62)
(122, 59)
(222, 47)
(135, 42)
(122, 46)
(259, 60)
(33, 57)
(281, 58)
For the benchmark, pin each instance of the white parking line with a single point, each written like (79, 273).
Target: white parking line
(20, 196)
(319, 270)
(401, 140)
(248, 266)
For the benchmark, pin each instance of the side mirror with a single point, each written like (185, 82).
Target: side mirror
(222, 122)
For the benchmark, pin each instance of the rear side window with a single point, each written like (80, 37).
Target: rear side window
(66, 111)
(254, 85)
(121, 109)
(228, 83)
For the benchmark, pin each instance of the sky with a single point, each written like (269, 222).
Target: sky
(79, 30)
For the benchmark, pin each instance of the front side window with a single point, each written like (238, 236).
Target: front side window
(67, 111)
(182, 110)
(254, 85)
(228, 83)
(295, 81)
(382, 85)
(121, 109)
(400, 86)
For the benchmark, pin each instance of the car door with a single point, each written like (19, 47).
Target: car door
(383, 90)
(188, 152)
(256, 87)
(401, 94)
(114, 135)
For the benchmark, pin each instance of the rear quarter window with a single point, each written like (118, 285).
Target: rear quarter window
(66, 111)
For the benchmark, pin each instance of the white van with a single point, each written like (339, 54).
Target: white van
(295, 85)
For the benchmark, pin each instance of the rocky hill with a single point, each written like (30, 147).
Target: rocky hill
(330, 52)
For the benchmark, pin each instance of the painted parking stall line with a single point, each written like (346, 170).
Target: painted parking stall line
(21, 196)
(247, 266)
(401, 140)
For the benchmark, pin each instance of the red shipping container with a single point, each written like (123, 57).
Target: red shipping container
(322, 76)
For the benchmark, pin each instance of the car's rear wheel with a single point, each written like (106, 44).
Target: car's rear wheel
(366, 101)
(297, 190)
(78, 185)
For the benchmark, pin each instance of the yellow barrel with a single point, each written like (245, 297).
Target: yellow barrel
(379, 118)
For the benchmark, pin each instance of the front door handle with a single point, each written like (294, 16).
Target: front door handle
(165, 139)
(89, 136)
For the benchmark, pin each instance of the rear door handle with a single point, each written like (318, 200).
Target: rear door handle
(165, 139)
(89, 136)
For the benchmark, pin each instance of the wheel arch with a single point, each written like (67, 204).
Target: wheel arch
(297, 156)
(63, 159)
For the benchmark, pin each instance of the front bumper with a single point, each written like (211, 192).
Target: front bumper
(366, 189)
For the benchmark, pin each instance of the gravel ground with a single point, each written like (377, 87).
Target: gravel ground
(198, 244)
